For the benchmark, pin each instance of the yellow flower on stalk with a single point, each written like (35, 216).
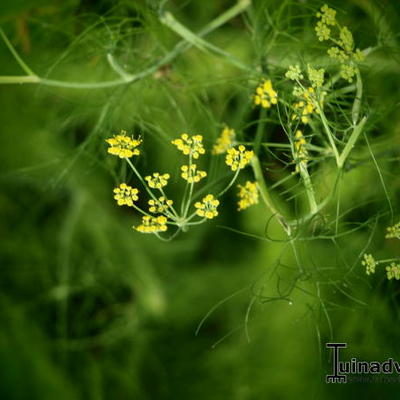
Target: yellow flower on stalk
(125, 195)
(123, 146)
(393, 271)
(190, 145)
(265, 95)
(192, 174)
(393, 232)
(157, 180)
(238, 158)
(305, 107)
(224, 142)
(160, 205)
(248, 195)
(301, 152)
(369, 263)
(152, 224)
(207, 208)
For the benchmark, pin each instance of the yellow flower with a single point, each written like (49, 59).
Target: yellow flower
(393, 271)
(393, 232)
(305, 107)
(123, 146)
(157, 181)
(125, 195)
(224, 142)
(369, 263)
(238, 158)
(190, 145)
(265, 95)
(248, 195)
(160, 205)
(207, 208)
(327, 15)
(301, 152)
(192, 174)
(152, 224)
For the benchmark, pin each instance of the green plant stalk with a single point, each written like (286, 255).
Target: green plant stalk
(351, 142)
(169, 20)
(357, 101)
(262, 187)
(328, 132)
(309, 188)
(179, 48)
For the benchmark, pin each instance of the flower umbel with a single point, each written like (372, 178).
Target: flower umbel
(152, 224)
(224, 142)
(393, 271)
(125, 195)
(393, 232)
(160, 205)
(238, 158)
(305, 107)
(191, 174)
(369, 263)
(123, 146)
(157, 180)
(248, 195)
(190, 145)
(207, 208)
(265, 95)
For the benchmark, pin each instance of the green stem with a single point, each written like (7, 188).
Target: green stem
(17, 57)
(179, 48)
(262, 187)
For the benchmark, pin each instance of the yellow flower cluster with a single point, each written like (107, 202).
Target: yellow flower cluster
(343, 49)
(300, 149)
(224, 142)
(207, 208)
(238, 158)
(191, 174)
(160, 205)
(157, 180)
(265, 95)
(123, 146)
(152, 224)
(369, 263)
(125, 195)
(190, 145)
(393, 232)
(248, 195)
(393, 271)
(305, 107)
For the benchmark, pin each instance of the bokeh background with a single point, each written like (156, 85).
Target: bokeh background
(89, 309)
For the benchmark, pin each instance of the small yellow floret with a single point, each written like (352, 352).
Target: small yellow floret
(157, 180)
(192, 174)
(238, 158)
(160, 205)
(123, 146)
(224, 142)
(190, 145)
(207, 208)
(248, 195)
(265, 95)
(125, 195)
(152, 224)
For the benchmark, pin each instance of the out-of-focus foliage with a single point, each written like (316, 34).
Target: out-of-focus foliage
(90, 309)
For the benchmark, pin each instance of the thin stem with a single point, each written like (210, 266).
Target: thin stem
(230, 183)
(262, 187)
(179, 48)
(141, 179)
(17, 57)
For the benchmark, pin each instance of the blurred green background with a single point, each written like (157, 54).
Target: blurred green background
(90, 309)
